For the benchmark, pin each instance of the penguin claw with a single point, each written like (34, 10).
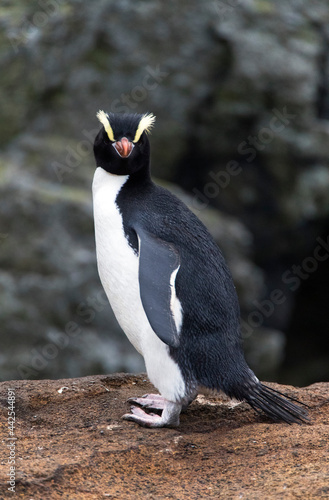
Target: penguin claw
(142, 418)
(168, 418)
(152, 401)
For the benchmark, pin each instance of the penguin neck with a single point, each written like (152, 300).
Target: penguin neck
(141, 176)
(139, 179)
(110, 182)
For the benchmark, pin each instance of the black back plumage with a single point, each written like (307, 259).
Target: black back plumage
(210, 351)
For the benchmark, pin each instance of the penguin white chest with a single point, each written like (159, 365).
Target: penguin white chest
(118, 268)
(117, 262)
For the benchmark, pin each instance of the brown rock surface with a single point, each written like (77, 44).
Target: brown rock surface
(72, 444)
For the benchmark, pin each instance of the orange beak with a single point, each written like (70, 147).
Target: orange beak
(123, 147)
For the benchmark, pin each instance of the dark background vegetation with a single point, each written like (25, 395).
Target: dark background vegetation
(240, 91)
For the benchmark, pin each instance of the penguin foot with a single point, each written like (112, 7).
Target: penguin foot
(168, 418)
(152, 401)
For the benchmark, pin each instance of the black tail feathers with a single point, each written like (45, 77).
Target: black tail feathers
(271, 402)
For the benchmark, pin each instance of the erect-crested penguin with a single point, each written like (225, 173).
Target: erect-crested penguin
(168, 284)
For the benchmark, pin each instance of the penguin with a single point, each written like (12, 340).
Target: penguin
(168, 284)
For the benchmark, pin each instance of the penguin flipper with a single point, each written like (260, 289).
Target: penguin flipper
(159, 262)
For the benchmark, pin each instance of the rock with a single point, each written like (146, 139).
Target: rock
(72, 443)
(265, 350)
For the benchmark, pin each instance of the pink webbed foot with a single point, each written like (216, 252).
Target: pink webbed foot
(168, 418)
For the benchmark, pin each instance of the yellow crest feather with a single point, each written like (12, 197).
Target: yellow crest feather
(144, 125)
(104, 119)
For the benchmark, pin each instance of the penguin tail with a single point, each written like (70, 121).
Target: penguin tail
(276, 405)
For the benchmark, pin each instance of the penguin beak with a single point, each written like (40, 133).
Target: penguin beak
(123, 147)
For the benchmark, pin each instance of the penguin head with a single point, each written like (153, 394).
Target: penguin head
(121, 147)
